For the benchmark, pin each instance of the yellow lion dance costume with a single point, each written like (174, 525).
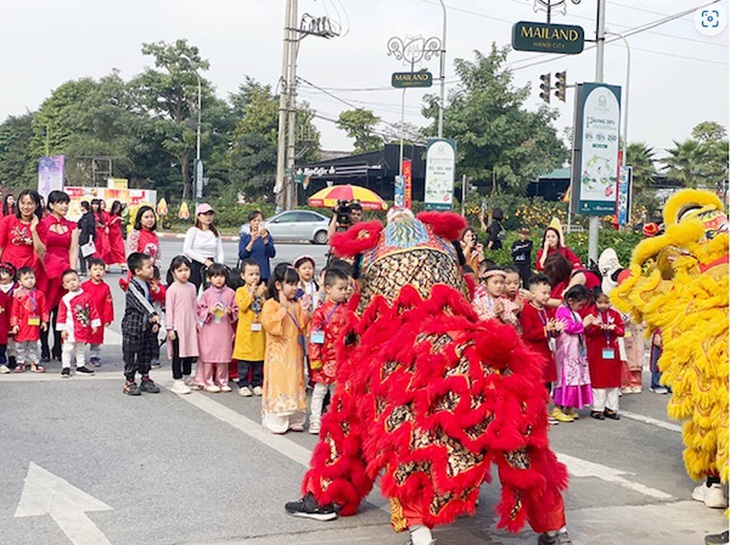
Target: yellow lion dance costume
(679, 282)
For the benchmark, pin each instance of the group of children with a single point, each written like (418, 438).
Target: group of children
(264, 334)
(578, 341)
(83, 313)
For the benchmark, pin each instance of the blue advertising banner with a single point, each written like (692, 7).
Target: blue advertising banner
(623, 203)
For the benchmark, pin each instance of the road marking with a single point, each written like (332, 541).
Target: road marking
(651, 421)
(45, 493)
(583, 468)
(301, 455)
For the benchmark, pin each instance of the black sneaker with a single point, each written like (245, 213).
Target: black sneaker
(66, 372)
(717, 539)
(84, 371)
(149, 386)
(131, 389)
(307, 507)
(561, 538)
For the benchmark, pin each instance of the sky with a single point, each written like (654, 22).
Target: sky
(678, 78)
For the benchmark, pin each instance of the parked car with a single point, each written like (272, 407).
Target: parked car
(295, 225)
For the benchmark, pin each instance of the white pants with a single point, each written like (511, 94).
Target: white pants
(278, 423)
(95, 351)
(605, 398)
(27, 352)
(318, 395)
(69, 348)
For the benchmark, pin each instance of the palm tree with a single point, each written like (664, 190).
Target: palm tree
(686, 163)
(641, 158)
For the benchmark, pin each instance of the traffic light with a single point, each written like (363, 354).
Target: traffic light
(545, 87)
(560, 85)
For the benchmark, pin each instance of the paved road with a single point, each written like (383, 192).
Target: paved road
(198, 469)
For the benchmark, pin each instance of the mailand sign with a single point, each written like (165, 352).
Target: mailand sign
(411, 79)
(548, 38)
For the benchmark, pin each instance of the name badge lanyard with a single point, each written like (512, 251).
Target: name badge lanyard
(318, 335)
(255, 305)
(219, 296)
(300, 337)
(542, 314)
(605, 332)
(33, 301)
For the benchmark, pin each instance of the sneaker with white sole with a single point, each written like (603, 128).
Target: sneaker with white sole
(561, 538)
(314, 428)
(661, 390)
(307, 507)
(713, 496)
(245, 392)
(226, 388)
(213, 389)
(4, 370)
(84, 372)
(258, 391)
(189, 380)
(179, 387)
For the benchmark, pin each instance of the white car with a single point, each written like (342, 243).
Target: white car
(295, 225)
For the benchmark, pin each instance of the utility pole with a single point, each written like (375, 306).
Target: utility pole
(284, 190)
(593, 221)
(291, 194)
(198, 165)
(283, 104)
(442, 74)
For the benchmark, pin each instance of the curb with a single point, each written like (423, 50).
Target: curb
(226, 238)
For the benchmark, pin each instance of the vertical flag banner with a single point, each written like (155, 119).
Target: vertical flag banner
(440, 165)
(399, 192)
(51, 173)
(408, 183)
(594, 179)
(623, 203)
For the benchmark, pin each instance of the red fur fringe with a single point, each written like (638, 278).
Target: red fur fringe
(356, 239)
(444, 224)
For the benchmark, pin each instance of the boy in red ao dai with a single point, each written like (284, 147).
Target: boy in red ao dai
(328, 321)
(78, 322)
(604, 361)
(101, 295)
(28, 316)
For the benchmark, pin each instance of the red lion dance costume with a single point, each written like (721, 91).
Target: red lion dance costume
(429, 396)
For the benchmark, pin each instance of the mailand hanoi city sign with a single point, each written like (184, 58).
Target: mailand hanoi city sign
(411, 79)
(547, 38)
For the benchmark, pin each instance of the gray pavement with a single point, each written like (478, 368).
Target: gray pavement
(198, 469)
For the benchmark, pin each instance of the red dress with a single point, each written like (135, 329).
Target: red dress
(77, 315)
(17, 243)
(28, 306)
(146, 242)
(114, 250)
(102, 236)
(534, 335)
(101, 295)
(567, 252)
(56, 259)
(329, 320)
(605, 371)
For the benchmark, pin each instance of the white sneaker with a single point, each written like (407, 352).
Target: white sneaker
(179, 387)
(712, 496)
(226, 388)
(661, 390)
(212, 389)
(4, 370)
(189, 380)
(636, 389)
(245, 392)
(314, 428)
(258, 390)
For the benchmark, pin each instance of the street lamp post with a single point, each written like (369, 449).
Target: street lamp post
(626, 93)
(412, 51)
(442, 73)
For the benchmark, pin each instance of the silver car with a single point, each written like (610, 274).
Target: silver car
(295, 225)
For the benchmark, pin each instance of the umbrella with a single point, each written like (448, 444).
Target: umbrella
(328, 197)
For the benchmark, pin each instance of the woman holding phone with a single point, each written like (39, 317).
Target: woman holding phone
(257, 244)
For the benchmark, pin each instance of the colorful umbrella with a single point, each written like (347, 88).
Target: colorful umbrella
(328, 197)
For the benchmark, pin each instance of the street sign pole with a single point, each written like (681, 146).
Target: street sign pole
(594, 222)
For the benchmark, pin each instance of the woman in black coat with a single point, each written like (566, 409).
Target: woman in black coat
(87, 228)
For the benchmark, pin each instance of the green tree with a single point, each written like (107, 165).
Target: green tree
(169, 94)
(641, 158)
(360, 124)
(500, 144)
(700, 161)
(16, 160)
(253, 149)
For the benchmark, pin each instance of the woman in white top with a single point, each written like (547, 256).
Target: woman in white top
(203, 245)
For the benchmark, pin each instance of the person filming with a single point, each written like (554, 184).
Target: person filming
(345, 215)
